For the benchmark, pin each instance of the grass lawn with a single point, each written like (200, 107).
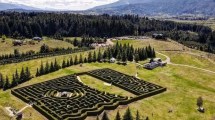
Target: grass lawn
(157, 44)
(187, 59)
(184, 86)
(99, 84)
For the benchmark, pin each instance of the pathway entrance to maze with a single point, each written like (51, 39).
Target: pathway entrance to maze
(68, 98)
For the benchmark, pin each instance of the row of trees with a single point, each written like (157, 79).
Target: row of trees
(17, 78)
(127, 52)
(86, 41)
(43, 49)
(126, 116)
(49, 68)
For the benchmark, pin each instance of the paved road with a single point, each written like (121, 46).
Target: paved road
(168, 61)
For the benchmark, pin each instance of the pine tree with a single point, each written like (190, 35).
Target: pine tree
(71, 62)
(56, 66)
(124, 57)
(109, 53)
(47, 68)
(130, 56)
(22, 76)
(85, 60)
(16, 53)
(76, 60)
(1, 81)
(119, 57)
(80, 59)
(137, 116)
(118, 117)
(90, 57)
(153, 53)
(7, 84)
(127, 115)
(105, 54)
(27, 74)
(94, 56)
(63, 64)
(105, 116)
(75, 42)
(67, 63)
(37, 73)
(136, 58)
(51, 67)
(14, 82)
(42, 71)
(17, 76)
(99, 56)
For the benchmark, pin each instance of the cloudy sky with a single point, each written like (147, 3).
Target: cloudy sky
(61, 4)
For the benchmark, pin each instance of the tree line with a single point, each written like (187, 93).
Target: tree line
(27, 25)
(18, 78)
(87, 41)
(43, 49)
(127, 116)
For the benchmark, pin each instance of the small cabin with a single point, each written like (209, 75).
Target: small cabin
(37, 38)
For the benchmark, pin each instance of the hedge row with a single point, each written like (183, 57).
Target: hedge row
(42, 55)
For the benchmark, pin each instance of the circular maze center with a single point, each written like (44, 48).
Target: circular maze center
(62, 94)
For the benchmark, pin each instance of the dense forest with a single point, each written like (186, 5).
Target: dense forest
(28, 25)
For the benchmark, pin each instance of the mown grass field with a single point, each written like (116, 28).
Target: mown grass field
(184, 85)
(96, 83)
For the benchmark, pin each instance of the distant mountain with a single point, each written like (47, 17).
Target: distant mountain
(158, 7)
(8, 6)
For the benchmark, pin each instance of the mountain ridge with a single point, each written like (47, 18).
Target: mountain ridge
(10, 6)
(155, 7)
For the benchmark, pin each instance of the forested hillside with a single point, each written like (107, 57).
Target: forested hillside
(27, 25)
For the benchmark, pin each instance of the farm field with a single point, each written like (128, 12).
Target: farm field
(184, 85)
(7, 46)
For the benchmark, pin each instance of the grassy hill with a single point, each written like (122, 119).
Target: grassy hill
(184, 85)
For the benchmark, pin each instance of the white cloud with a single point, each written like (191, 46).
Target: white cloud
(61, 4)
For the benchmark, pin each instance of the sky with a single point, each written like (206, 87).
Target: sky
(61, 4)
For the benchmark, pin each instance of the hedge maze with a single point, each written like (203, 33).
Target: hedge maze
(67, 98)
(129, 83)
